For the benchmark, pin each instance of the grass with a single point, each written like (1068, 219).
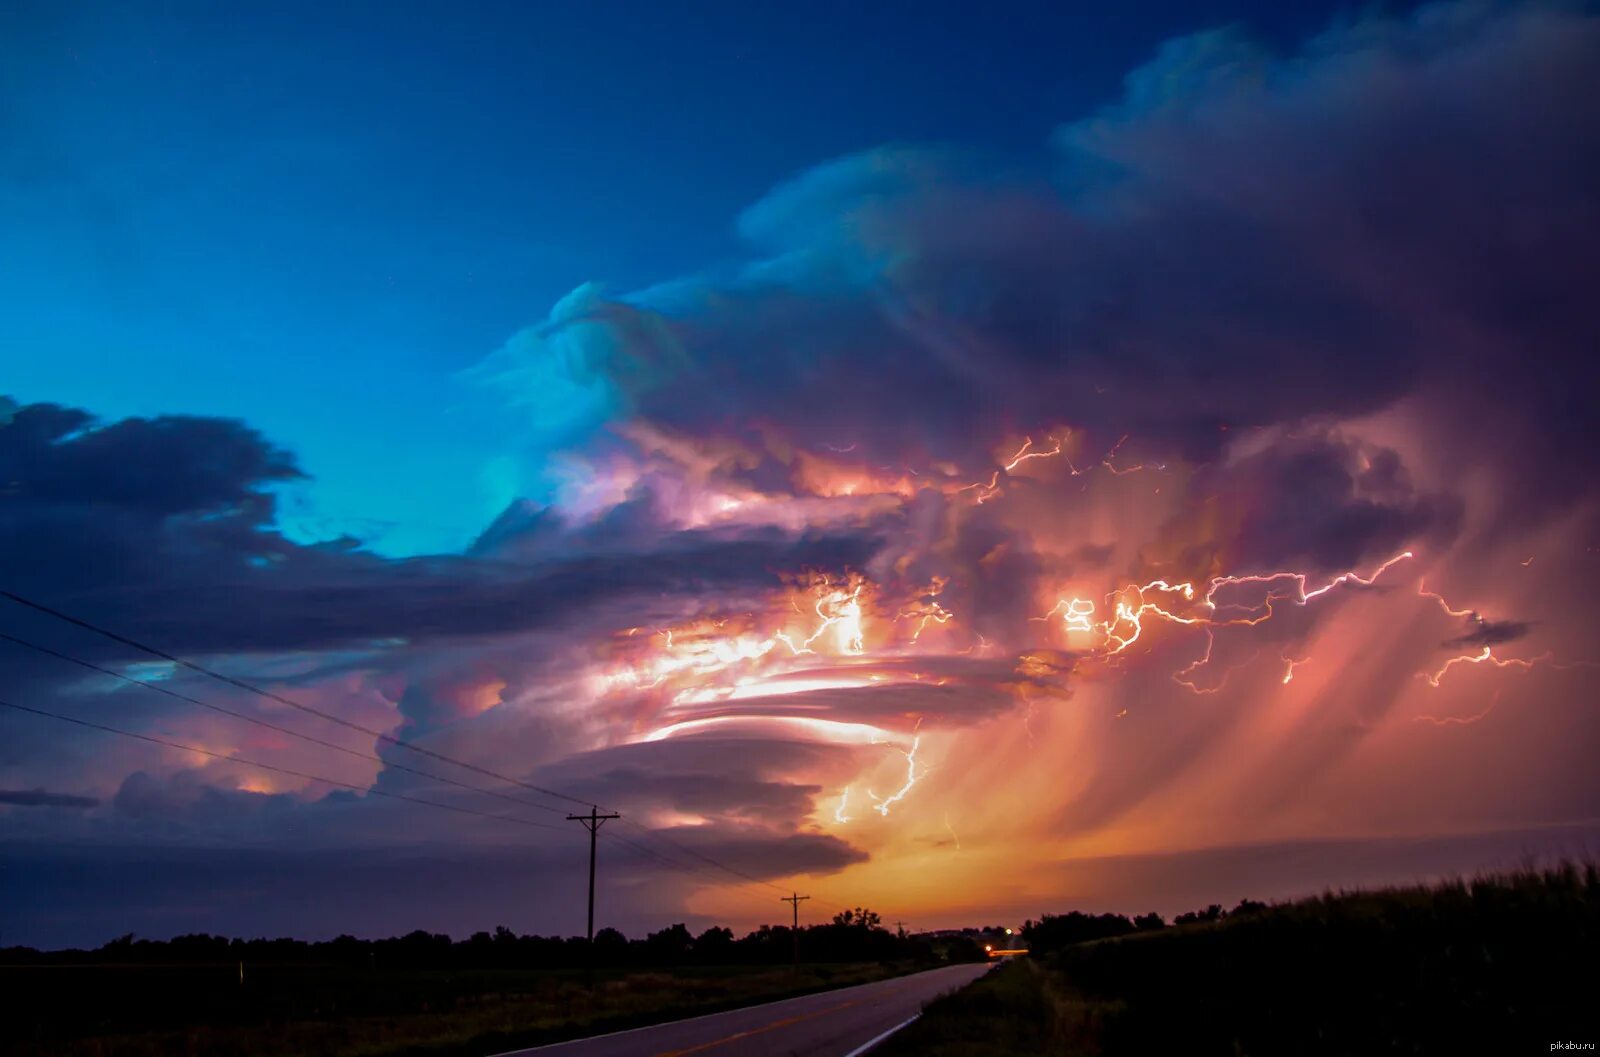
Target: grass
(1019, 1008)
(336, 1011)
(1504, 964)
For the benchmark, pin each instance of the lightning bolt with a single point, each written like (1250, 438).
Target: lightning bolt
(984, 492)
(1024, 454)
(844, 801)
(882, 805)
(1075, 613)
(952, 831)
(1130, 607)
(927, 609)
(1459, 721)
(1485, 657)
(1112, 454)
(1205, 662)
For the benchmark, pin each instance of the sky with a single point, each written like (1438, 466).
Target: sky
(971, 463)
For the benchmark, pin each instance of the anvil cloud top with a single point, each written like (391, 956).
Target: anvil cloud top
(1186, 495)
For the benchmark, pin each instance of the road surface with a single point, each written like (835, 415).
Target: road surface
(839, 1023)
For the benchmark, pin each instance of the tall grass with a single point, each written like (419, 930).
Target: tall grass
(1508, 963)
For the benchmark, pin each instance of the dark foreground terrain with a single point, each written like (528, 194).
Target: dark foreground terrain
(1501, 965)
(335, 1011)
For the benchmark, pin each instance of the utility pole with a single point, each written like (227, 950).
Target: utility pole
(795, 900)
(591, 822)
(901, 926)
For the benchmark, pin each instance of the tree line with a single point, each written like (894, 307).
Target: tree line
(1054, 931)
(852, 936)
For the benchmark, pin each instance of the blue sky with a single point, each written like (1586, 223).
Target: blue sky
(315, 219)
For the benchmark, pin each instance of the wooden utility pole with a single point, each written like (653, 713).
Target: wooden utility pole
(795, 900)
(591, 822)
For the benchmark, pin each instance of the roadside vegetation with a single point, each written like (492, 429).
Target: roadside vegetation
(1503, 964)
(420, 995)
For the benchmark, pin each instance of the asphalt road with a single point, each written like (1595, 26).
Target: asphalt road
(838, 1023)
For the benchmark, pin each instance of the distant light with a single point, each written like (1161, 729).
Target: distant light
(1008, 932)
(988, 947)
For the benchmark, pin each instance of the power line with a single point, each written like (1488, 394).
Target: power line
(649, 853)
(313, 739)
(747, 878)
(350, 725)
(646, 851)
(689, 869)
(643, 851)
(698, 855)
(154, 740)
(271, 696)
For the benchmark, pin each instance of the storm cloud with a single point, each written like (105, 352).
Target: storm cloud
(42, 798)
(1246, 239)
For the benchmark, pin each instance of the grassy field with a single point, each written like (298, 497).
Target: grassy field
(1502, 965)
(332, 1011)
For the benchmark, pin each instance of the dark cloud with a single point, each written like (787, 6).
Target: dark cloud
(740, 779)
(1318, 501)
(188, 801)
(759, 853)
(41, 798)
(165, 526)
(710, 794)
(173, 465)
(1490, 633)
(987, 563)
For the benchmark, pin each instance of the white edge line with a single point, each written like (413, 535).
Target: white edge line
(725, 1012)
(870, 1043)
(641, 1027)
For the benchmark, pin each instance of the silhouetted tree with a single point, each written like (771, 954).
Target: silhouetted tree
(670, 946)
(714, 945)
(1054, 931)
(1210, 913)
(860, 918)
(610, 947)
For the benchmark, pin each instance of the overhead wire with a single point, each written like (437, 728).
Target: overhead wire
(268, 725)
(379, 735)
(366, 790)
(388, 739)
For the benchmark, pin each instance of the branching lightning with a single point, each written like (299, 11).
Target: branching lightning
(1130, 606)
(1459, 721)
(1486, 656)
(882, 805)
(926, 609)
(824, 632)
